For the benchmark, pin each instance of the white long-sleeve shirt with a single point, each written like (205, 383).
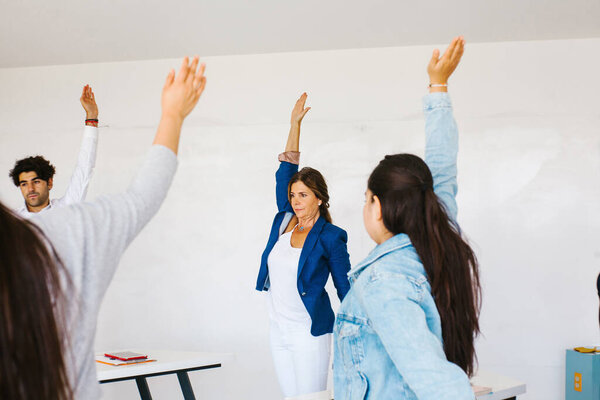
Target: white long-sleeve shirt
(77, 189)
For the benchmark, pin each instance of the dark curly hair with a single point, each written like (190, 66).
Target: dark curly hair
(38, 164)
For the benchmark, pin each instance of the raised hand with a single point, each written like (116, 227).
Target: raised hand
(182, 91)
(293, 142)
(440, 68)
(179, 97)
(299, 111)
(88, 101)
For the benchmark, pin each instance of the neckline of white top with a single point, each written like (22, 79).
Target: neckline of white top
(289, 242)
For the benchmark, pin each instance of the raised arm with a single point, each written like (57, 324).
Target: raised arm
(441, 132)
(290, 158)
(80, 179)
(112, 222)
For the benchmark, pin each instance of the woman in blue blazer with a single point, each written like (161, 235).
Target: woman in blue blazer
(304, 247)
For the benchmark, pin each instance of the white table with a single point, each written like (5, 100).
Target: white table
(503, 388)
(168, 362)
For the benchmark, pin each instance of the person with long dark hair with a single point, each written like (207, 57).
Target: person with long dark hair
(55, 270)
(304, 248)
(406, 328)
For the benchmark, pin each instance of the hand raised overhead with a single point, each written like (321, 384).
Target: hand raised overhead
(88, 101)
(440, 68)
(299, 111)
(182, 91)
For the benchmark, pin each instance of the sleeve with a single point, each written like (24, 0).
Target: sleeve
(416, 352)
(284, 173)
(339, 263)
(98, 232)
(77, 189)
(441, 148)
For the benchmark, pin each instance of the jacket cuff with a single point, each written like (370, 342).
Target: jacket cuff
(436, 100)
(293, 157)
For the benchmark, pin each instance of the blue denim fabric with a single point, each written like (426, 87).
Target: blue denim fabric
(387, 334)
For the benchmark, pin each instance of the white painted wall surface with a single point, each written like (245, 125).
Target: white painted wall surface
(529, 174)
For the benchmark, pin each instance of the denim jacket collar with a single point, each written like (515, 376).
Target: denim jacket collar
(399, 241)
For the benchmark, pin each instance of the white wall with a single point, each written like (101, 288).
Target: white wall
(529, 194)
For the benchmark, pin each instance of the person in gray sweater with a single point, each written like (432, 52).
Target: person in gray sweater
(76, 250)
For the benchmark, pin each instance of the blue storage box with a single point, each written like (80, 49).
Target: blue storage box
(582, 376)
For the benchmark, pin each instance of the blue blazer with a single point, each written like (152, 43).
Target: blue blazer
(324, 252)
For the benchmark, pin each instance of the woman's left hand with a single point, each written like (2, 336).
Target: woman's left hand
(299, 111)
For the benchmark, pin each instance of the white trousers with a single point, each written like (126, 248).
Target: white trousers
(301, 360)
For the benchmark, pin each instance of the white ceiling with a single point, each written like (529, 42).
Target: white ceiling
(49, 32)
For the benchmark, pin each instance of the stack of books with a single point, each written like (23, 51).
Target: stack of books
(122, 358)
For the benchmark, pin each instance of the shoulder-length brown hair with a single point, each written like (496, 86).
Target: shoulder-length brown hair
(315, 182)
(32, 320)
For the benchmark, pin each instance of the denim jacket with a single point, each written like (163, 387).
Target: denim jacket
(387, 334)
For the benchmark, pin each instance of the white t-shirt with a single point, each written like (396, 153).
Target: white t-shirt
(284, 302)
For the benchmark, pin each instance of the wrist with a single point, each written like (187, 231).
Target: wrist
(435, 87)
(171, 118)
(438, 89)
(91, 122)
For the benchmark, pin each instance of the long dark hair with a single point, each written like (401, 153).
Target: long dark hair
(32, 328)
(315, 182)
(404, 185)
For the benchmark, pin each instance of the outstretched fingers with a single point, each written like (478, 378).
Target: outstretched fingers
(183, 70)
(450, 49)
(192, 70)
(458, 50)
(170, 79)
(302, 100)
(435, 57)
(200, 80)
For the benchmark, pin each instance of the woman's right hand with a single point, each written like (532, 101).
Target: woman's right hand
(299, 111)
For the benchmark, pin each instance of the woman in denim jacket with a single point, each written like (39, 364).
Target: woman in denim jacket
(304, 248)
(406, 328)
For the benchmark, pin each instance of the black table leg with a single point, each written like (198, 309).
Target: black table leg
(142, 385)
(186, 386)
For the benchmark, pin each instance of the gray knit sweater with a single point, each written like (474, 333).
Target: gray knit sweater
(90, 238)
